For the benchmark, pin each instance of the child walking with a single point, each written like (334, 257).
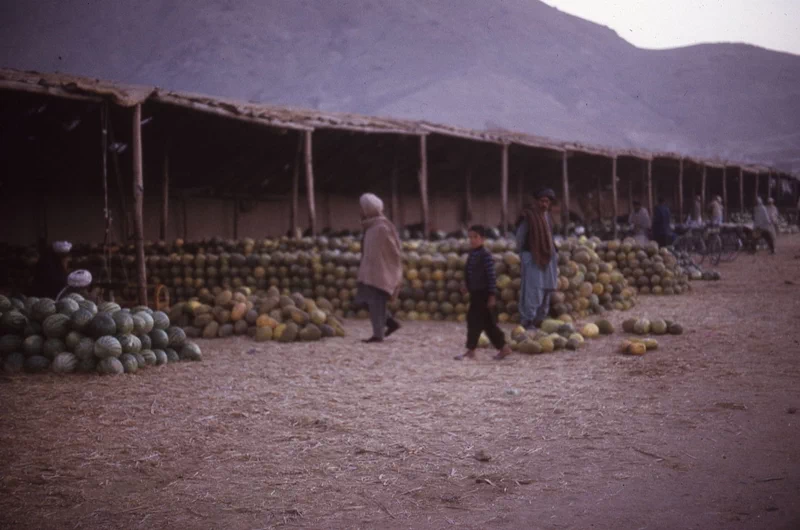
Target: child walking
(480, 282)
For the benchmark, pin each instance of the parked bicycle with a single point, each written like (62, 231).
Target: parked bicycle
(700, 243)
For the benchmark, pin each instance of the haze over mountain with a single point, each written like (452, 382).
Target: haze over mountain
(513, 64)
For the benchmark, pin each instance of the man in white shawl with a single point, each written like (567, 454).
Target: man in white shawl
(639, 220)
(761, 221)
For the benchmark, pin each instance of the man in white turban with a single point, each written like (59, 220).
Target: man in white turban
(761, 221)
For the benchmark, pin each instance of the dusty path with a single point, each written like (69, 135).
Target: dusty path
(700, 434)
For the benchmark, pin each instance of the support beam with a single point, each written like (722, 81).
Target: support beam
(235, 218)
(614, 194)
(755, 190)
(725, 206)
(680, 191)
(423, 184)
(185, 218)
(138, 196)
(296, 186)
(703, 188)
(565, 191)
(741, 190)
(599, 198)
(650, 186)
(165, 198)
(504, 190)
(312, 207)
(469, 216)
(394, 198)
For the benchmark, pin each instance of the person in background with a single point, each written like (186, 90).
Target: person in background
(774, 215)
(480, 281)
(50, 273)
(697, 212)
(761, 221)
(715, 211)
(539, 259)
(639, 220)
(662, 224)
(381, 270)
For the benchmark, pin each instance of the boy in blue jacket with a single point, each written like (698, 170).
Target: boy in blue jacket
(480, 282)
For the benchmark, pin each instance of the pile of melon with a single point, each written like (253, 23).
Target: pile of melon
(263, 316)
(75, 335)
(553, 335)
(648, 268)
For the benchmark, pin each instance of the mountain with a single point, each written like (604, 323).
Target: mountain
(512, 64)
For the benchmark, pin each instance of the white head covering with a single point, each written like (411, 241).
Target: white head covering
(371, 205)
(759, 201)
(62, 247)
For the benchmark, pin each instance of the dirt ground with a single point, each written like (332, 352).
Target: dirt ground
(702, 433)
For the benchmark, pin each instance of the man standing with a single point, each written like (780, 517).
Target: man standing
(640, 223)
(662, 225)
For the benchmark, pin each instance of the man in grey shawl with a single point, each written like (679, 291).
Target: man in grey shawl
(381, 270)
(761, 221)
(539, 259)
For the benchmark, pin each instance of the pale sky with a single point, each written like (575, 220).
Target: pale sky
(772, 24)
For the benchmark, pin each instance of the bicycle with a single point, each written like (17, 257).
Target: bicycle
(732, 243)
(699, 243)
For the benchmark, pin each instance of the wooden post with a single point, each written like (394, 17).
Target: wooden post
(703, 187)
(614, 193)
(468, 196)
(138, 196)
(394, 198)
(312, 208)
(120, 187)
(423, 184)
(565, 186)
(295, 186)
(504, 190)
(769, 184)
(235, 218)
(104, 148)
(185, 218)
(755, 190)
(650, 185)
(599, 198)
(680, 191)
(725, 206)
(165, 198)
(741, 190)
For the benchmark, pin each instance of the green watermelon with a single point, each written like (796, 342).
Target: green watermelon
(159, 339)
(149, 357)
(32, 328)
(130, 343)
(129, 363)
(88, 365)
(5, 304)
(13, 321)
(103, 324)
(14, 363)
(160, 320)
(25, 305)
(177, 337)
(161, 357)
(64, 363)
(72, 339)
(124, 322)
(36, 364)
(33, 345)
(42, 309)
(81, 319)
(147, 344)
(148, 320)
(139, 325)
(109, 307)
(89, 306)
(142, 308)
(67, 306)
(107, 346)
(84, 349)
(172, 355)
(56, 326)
(53, 347)
(140, 360)
(75, 296)
(110, 366)
(10, 344)
(191, 352)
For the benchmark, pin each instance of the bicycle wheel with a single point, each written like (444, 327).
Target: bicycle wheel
(714, 249)
(697, 249)
(731, 245)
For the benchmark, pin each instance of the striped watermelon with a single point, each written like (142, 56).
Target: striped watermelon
(36, 364)
(148, 320)
(139, 325)
(72, 339)
(5, 304)
(64, 363)
(53, 347)
(149, 357)
(42, 309)
(75, 296)
(161, 357)
(130, 343)
(109, 307)
(140, 360)
(89, 306)
(14, 363)
(85, 349)
(147, 344)
(81, 319)
(13, 321)
(129, 363)
(177, 337)
(110, 366)
(67, 306)
(142, 308)
(160, 320)
(103, 324)
(124, 322)
(159, 339)
(191, 352)
(10, 344)
(107, 346)
(172, 355)
(33, 345)
(56, 326)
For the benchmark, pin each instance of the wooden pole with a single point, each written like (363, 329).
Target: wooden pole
(769, 184)
(703, 187)
(650, 185)
(504, 190)
(104, 149)
(755, 190)
(468, 196)
(614, 193)
(123, 206)
(235, 218)
(185, 218)
(423, 184)
(295, 186)
(741, 190)
(138, 196)
(599, 198)
(565, 191)
(165, 198)
(394, 198)
(312, 208)
(725, 205)
(680, 191)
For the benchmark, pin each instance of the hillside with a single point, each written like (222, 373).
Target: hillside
(515, 64)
